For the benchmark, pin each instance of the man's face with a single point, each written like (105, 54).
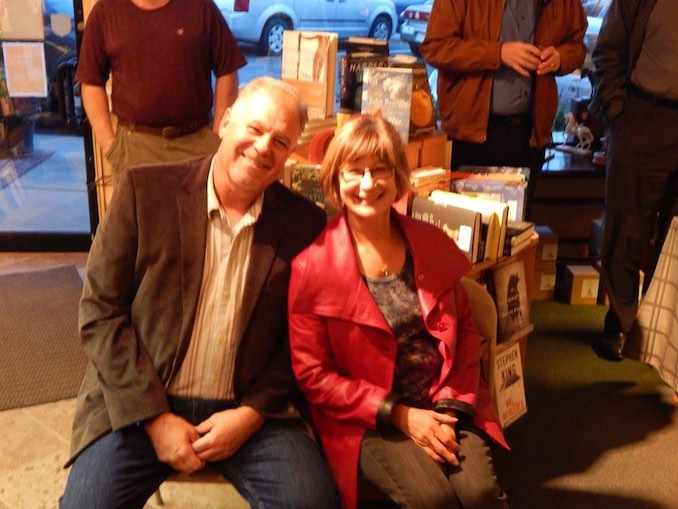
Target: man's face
(257, 136)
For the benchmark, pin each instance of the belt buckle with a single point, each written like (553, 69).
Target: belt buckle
(168, 132)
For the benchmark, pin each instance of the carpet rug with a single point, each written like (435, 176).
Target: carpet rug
(41, 359)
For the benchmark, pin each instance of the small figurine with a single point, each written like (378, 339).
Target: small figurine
(581, 132)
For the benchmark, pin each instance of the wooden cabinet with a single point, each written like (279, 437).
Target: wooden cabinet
(570, 194)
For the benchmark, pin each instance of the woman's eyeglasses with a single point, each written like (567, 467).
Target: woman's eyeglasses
(379, 173)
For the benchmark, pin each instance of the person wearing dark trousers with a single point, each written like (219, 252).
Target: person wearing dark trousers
(497, 61)
(183, 317)
(636, 96)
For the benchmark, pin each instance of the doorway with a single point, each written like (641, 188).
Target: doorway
(46, 191)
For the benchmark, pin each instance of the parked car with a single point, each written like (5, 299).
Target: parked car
(415, 20)
(401, 5)
(262, 22)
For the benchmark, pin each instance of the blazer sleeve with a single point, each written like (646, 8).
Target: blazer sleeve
(130, 383)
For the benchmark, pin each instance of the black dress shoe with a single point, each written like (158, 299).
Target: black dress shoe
(609, 346)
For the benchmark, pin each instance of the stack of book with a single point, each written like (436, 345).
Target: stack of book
(494, 220)
(314, 126)
(361, 52)
(461, 224)
(427, 179)
(309, 62)
(507, 184)
(519, 235)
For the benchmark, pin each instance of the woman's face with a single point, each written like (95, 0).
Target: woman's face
(367, 187)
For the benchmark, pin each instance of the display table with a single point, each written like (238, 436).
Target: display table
(570, 194)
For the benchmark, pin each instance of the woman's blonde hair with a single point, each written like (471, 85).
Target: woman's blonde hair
(364, 136)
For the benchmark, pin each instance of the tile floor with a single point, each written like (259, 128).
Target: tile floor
(34, 444)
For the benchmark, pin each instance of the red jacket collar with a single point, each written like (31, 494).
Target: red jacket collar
(333, 284)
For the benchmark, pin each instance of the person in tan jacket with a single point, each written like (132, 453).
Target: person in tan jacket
(497, 61)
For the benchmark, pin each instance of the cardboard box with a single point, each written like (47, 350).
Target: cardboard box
(544, 282)
(433, 151)
(581, 284)
(413, 151)
(547, 249)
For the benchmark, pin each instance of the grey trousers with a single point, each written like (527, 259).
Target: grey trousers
(403, 471)
(640, 199)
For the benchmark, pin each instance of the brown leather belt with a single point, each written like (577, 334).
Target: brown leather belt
(168, 132)
(654, 99)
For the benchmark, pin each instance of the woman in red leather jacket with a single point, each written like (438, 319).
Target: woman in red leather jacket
(383, 341)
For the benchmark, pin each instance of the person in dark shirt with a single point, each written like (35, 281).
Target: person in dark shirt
(636, 96)
(160, 56)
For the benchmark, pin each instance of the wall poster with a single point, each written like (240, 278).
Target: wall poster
(21, 20)
(25, 69)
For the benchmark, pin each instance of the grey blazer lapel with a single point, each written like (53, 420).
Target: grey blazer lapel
(268, 233)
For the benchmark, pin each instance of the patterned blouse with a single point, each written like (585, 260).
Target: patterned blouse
(418, 361)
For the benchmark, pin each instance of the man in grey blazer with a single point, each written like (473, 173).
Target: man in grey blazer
(184, 319)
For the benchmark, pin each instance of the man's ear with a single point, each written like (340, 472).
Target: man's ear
(224, 121)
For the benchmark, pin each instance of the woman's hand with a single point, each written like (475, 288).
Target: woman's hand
(432, 431)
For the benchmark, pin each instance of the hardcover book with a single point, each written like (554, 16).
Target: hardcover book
(461, 225)
(518, 232)
(309, 62)
(513, 249)
(422, 114)
(495, 219)
(507, 191)
(425, 180)
(389, 90)
(509, 385)
(304, 178)
(351, 76)
(523, 171)
(366, 45)
(510, 295)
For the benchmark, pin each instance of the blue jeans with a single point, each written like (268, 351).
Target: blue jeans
(277, 467)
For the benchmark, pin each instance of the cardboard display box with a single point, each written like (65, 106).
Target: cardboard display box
(547, 249)
(581, 284)
(544, 282)
(433, 151)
